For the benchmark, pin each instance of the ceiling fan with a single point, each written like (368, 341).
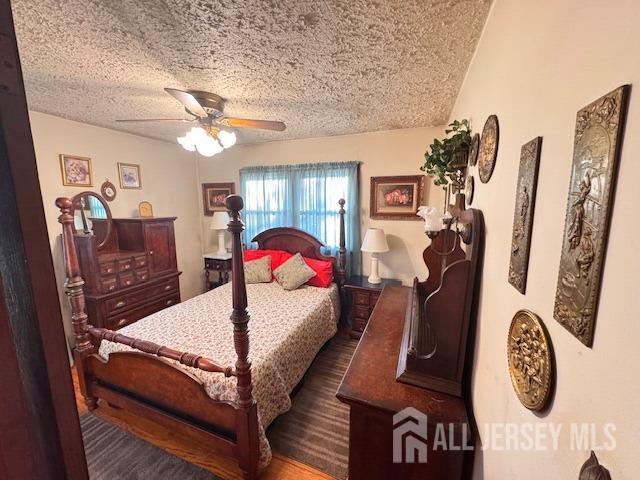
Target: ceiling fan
(214, 131)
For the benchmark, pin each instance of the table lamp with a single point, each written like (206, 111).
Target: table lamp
(220, 222)
(375, 241)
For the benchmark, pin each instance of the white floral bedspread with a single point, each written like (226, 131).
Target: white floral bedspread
(287, 329)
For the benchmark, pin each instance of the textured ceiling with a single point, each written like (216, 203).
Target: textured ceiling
(326, 67)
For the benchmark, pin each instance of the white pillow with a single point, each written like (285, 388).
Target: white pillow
(258, 271)
(293, 273)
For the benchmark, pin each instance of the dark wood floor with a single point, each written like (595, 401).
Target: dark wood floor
(280, 468)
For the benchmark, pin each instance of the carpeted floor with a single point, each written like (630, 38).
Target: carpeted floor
(113, 454)
(316, 429)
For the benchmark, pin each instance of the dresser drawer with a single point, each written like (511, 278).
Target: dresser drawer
(108, 268)
(361, 312)
(140, 261)
(125, 265)
(373, 299)
(126, 279)
(360, 298)
(359, 324)
(118, 321)
(142, 275)
(129, 300)
(109, 285)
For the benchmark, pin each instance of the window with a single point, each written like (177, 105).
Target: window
(304, 196)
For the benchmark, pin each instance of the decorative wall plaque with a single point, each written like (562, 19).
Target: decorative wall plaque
(469, 187)
(108, 190)
(596, 150)
(488, 148)
(523, 216)
(592, 470)
(473, 150)
(530, 360)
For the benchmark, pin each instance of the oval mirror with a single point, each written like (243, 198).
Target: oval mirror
(92, 216)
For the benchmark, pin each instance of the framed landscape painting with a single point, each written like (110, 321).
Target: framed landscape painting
(396, 198)
(213, 196)
(129, 174)
(76, 171)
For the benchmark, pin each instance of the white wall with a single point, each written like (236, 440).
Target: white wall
(169, 182)
(396, 152)
(536, 65)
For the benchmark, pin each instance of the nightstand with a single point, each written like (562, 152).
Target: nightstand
(363, 296)
(216, 263)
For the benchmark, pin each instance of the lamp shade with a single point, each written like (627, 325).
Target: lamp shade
(375, 241)
(220, 221)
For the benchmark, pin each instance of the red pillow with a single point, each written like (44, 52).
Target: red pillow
(324, 272)
(278, 257)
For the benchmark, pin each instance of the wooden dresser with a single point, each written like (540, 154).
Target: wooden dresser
(374, 395)
(133, 274)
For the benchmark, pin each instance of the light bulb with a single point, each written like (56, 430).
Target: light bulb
(227, 139)
(186, 143)
(207, 146)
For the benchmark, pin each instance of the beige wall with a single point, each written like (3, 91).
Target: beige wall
(169, 182)
(396, 152)
(536, 65)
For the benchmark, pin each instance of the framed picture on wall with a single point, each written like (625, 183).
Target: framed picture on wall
(396, 198)
(129, 174)
(213, 196)
(76, 171)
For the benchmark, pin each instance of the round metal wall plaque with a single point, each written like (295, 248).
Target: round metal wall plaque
(488, 148)
(530, 360)
(468, 189)
(108, 191)
(473, 150)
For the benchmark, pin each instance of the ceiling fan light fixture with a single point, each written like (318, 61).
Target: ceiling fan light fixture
(208, 146)
(187, 143)
(227, 138)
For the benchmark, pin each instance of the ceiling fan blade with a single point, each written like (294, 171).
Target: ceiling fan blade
(140, 120)
(188, 100)
(246, 123)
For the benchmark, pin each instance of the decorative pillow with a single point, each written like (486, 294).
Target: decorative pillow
(293, 273)
(323, 270)
(258, 271)
(278, 257)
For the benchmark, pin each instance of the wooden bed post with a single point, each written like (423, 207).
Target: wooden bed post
(247, 416)
(74, 289)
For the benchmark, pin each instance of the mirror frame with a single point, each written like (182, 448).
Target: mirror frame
(76, 198)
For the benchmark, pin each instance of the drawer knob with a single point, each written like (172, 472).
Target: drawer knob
(112, 288)
(168, 287)
(121, 322)
(109, 270)
(127, 266)
(121, 303)
(169, 302)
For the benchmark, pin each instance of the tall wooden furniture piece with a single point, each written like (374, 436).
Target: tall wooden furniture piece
(144, 383)
(364, 296)
(434, 342)
(129, 267)
(374, 396)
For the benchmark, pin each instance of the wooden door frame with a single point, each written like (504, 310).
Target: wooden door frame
(39, 427)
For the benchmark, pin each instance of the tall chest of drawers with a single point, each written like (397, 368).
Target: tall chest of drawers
(134, 274)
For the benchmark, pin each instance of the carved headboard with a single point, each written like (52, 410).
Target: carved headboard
(294, 240)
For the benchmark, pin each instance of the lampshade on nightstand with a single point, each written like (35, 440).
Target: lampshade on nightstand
(375, 241)
(220, 222)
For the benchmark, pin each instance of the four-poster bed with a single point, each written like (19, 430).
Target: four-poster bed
(174, 388)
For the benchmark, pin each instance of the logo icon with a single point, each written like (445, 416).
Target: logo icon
(409, 436)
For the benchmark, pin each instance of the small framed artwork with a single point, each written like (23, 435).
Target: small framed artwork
(129, 174)
(76, 171)
(214, 195)
(396, 198)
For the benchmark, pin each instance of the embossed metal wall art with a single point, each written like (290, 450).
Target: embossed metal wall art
(473, 150)
(488, 148)
(596, 150)
(523, 216)
(469, 188)
(592, 470)
(530, 360)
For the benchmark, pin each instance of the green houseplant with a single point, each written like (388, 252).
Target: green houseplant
(445, 159)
